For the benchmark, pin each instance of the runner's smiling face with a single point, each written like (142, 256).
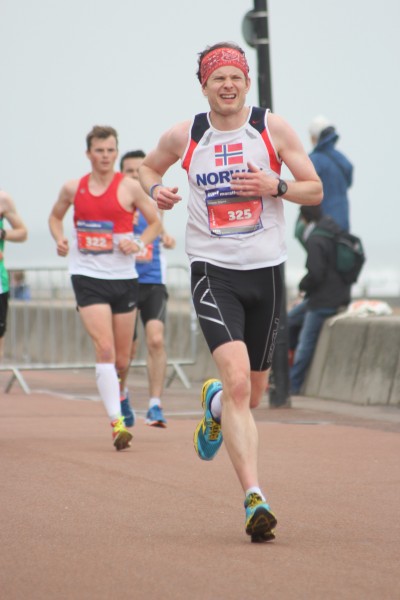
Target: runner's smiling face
(103, 154)
(226, 90)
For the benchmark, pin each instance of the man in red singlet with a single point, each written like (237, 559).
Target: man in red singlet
(235, 242)
(102, 266)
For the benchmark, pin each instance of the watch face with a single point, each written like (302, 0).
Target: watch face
(282, 187)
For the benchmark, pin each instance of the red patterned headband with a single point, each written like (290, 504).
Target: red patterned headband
(222, 57)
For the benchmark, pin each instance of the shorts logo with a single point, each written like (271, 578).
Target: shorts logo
(228, 154)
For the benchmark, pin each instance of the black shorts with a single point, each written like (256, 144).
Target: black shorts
(120, 294)
(152, 303)
(3, 312)
(236, 305)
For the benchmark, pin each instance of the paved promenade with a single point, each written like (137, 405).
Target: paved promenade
(80, 521)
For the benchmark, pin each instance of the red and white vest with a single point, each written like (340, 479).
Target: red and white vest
(224, 229)
(100, 223)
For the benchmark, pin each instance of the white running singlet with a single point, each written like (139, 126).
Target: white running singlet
(224, 229)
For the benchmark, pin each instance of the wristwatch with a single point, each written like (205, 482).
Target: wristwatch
(282, 188)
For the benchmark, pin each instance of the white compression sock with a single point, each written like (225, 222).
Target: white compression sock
(216, 406)
(108, 386)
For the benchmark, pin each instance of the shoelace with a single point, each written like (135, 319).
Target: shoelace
(253, 500)
(214, 430)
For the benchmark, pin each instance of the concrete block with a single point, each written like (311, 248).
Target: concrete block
(394, 398)
(357, 360)
(312, 384)
(347, 342)
(379, 362)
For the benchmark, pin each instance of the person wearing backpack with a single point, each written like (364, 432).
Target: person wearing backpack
(334, 169)
(323, 290)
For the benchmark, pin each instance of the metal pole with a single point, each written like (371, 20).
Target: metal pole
(262, 48)
(279, 394)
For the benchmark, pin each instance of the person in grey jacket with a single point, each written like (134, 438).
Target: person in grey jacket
(334, 170)
(323, 288)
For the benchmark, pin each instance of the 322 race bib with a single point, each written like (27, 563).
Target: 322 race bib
(95, 237)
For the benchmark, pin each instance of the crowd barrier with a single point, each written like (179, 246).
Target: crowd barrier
(45, 331)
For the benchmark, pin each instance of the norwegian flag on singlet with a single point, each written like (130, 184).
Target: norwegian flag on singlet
(228, 154)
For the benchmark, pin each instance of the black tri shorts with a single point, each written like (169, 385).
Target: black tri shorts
(120, 294)
(3, 312)
(236, 305)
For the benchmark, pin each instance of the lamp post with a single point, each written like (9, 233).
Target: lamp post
(255, 32)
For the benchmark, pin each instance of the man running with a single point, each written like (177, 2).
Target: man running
(235, 242)
(152, 302)
(102, 266)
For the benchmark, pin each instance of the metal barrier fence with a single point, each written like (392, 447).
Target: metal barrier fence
(45, 332)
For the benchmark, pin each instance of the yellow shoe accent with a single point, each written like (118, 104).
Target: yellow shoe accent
(121, 436)
(207, 437)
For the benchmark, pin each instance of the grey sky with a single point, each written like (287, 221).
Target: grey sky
(67, 65)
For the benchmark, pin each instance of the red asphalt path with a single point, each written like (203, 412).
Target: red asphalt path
(82, 521)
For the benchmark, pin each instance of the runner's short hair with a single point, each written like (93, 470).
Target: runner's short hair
(131, 154)
(101, 132)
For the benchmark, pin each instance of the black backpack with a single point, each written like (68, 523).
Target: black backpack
(350, 255)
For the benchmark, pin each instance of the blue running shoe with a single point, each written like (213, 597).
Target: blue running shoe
(207, 437)
(155, 417)
(127, 411)
(260, 521)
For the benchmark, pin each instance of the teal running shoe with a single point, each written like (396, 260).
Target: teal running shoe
(127, 411)
(207, 437)
(155, 417)
(260, 521)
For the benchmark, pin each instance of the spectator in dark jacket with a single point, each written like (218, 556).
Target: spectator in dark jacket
(323, 288)
(334, 169)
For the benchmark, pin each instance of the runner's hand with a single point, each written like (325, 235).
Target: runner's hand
(254, 182)
(166, 197)
(62, 247)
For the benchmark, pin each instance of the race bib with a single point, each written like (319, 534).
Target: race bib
(95, 237)
(146, 255)
(230, 214)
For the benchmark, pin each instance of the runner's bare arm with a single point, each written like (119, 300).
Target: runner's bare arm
(306, 188)
(169, 150)
(134, 197)
(18, 231)
(148, 208)
(64, 201)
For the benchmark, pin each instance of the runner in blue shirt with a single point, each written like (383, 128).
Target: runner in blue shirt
(152, 303)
